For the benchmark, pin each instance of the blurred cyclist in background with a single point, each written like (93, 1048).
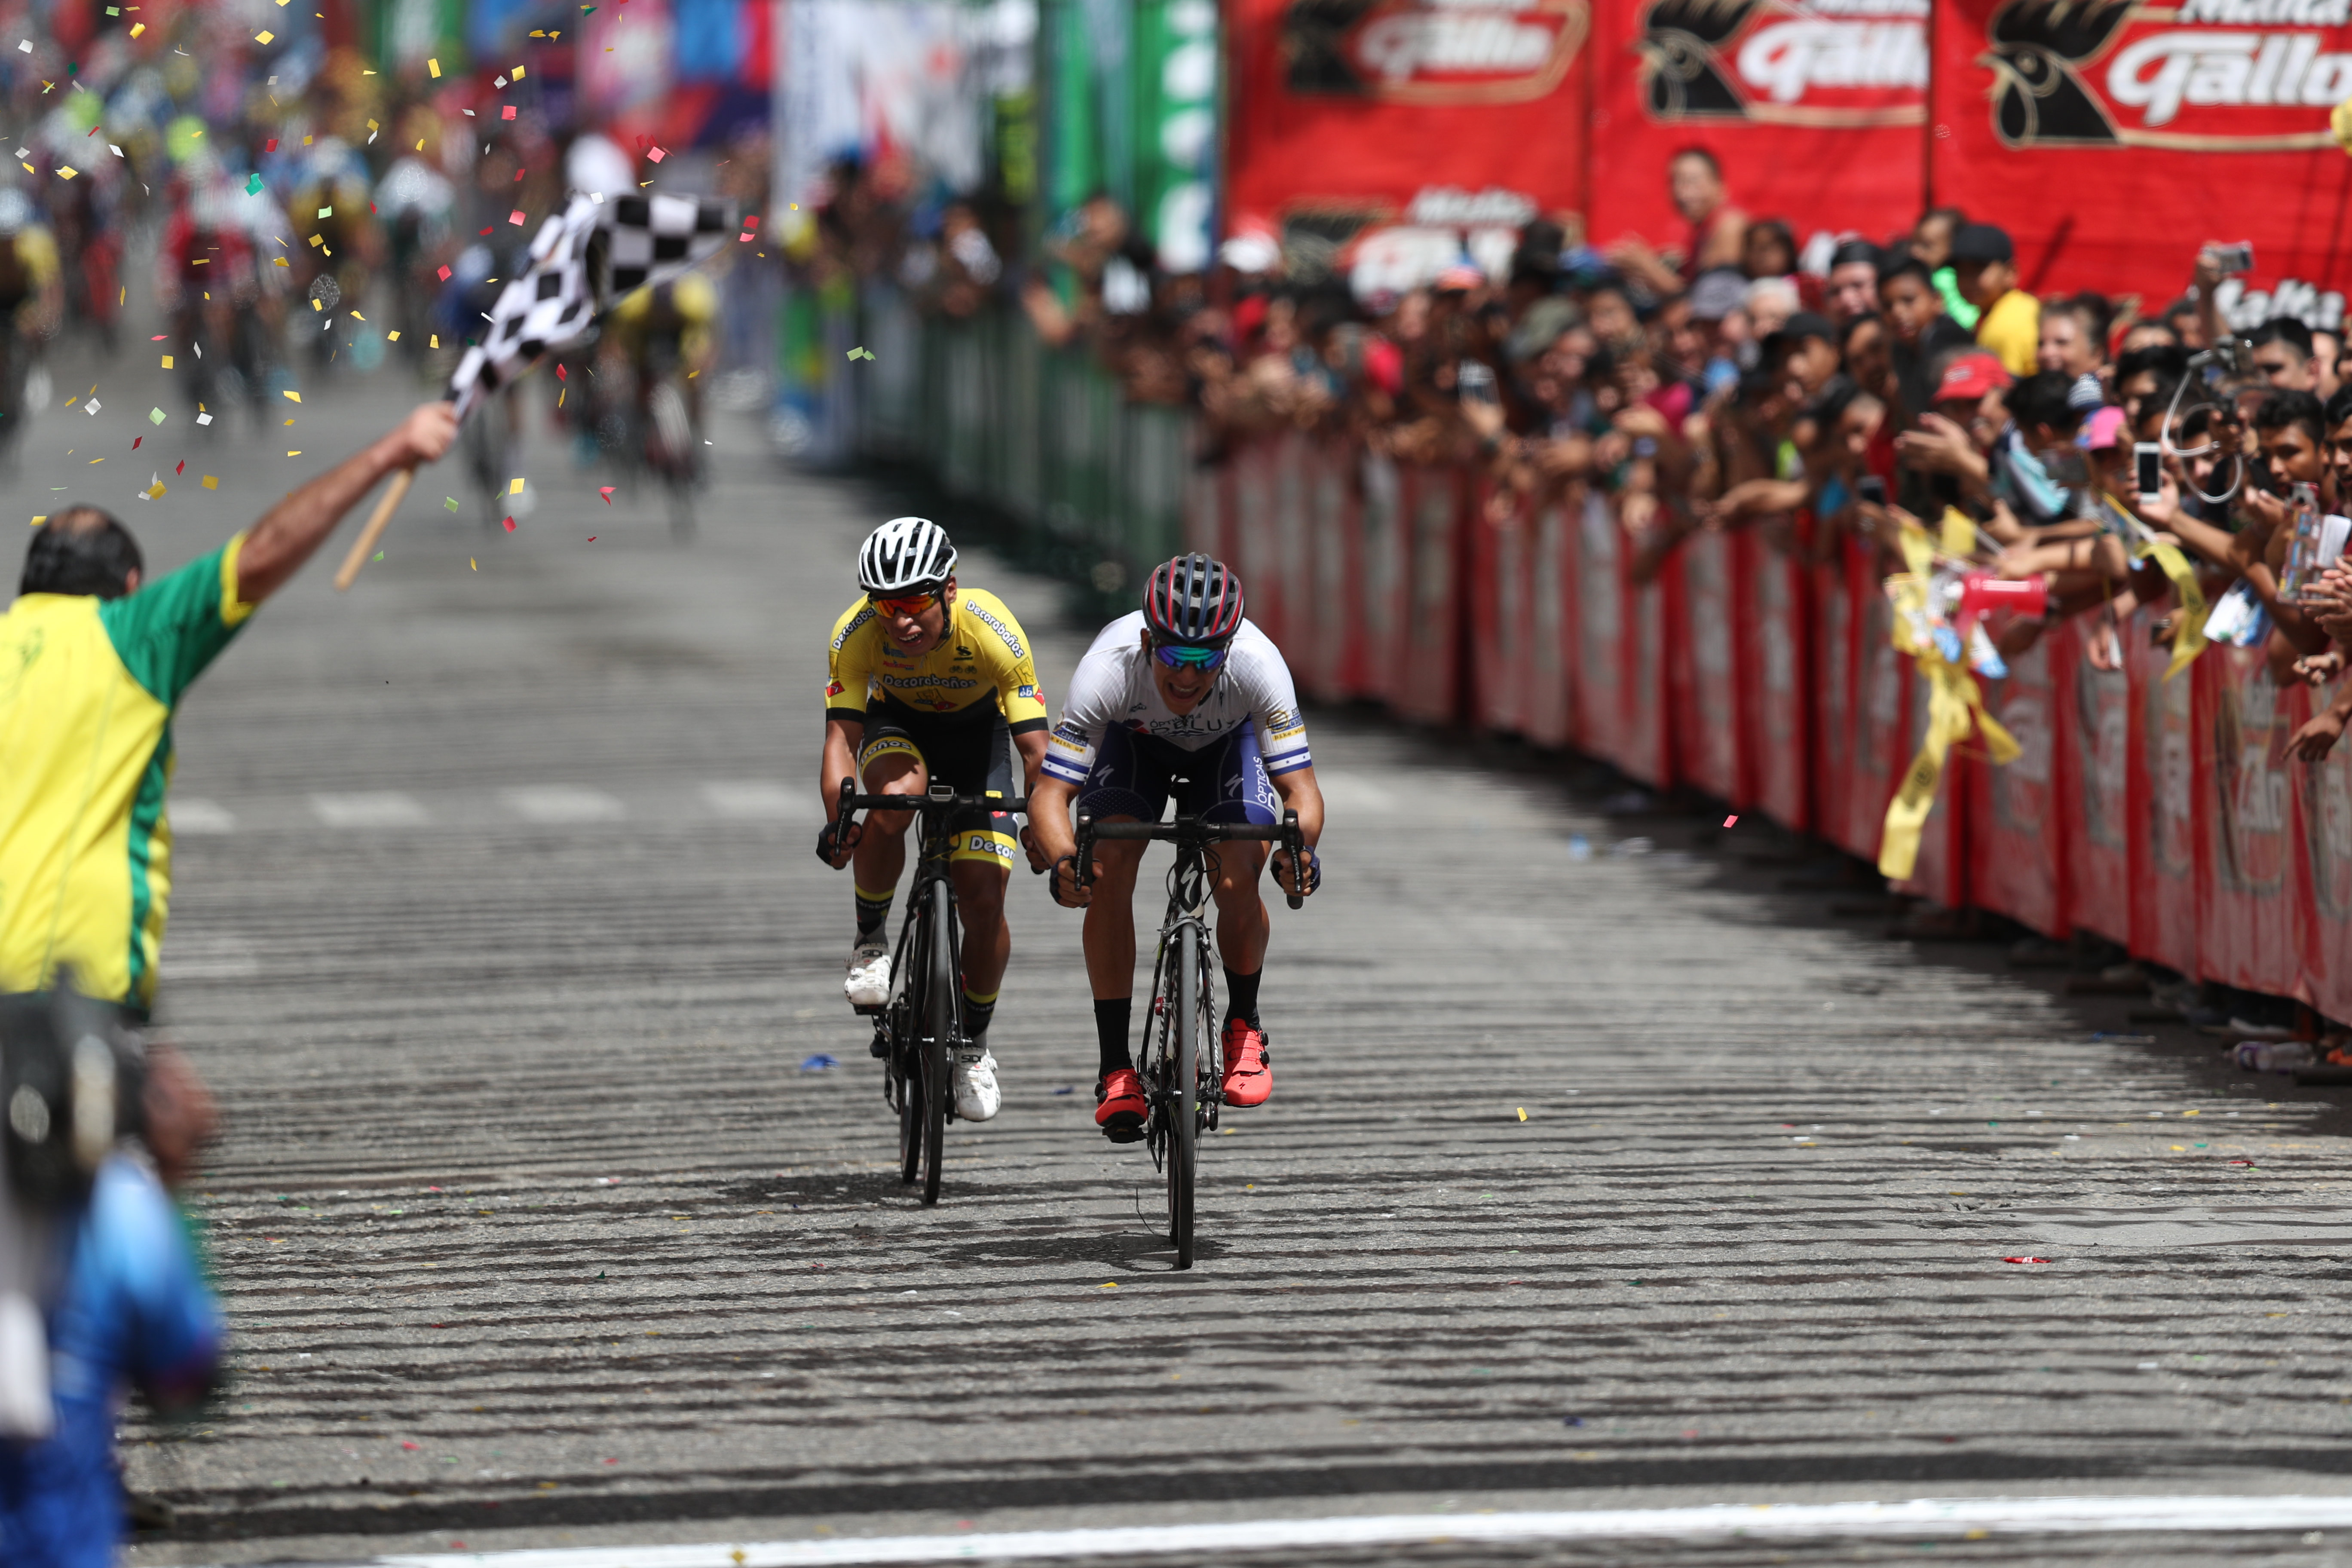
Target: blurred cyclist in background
(204, 263)
(330, 204)
(32, 300)
(418, 209)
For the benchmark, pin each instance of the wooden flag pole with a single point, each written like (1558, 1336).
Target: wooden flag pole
(376, 523)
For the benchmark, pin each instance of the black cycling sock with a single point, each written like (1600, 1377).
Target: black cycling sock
(1241, 995)
(1111, 1019)
(977, 1011)
(873, 909)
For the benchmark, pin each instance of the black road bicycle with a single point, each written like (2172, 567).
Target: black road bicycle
(1183, 1078)
(917, 1031)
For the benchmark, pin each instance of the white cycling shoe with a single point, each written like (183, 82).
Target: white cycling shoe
(869, 984)
(974, 1077)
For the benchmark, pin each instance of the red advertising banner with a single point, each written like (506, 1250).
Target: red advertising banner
(2161, 801)
(1364, 113)
(1814, 111)
(2101, 101)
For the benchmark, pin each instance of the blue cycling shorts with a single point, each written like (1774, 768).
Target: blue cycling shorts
(1134, 775)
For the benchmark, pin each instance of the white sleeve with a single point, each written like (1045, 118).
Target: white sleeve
(1095, 692)
(1274, 707)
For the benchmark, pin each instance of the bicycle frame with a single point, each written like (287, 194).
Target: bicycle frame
(922, 1023)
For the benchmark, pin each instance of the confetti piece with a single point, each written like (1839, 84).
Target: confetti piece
(203, 419)
(445, 275)
(508, 112)
(279, 261)
(326, 212)
(295, 453)
(432, 341)
(510, 525)
(434, 67)
(65, 173)
(292, 397)
(92, 406)
(2026, 1260)
(379, 555)
(472, 564)
(1523, 1113)
(1110, 1285)
(263, 36)
(155, 491)
(499, 82)
(606, 491)
(517, 73)
(137, 28)
(515, 218)
(211, 483)
(40, 519)
(559, 376)
(181, 469)
(271, 146)
(656, 154)
(592, 539)
(136, 440)
(751, 222)
(393, 336)
(515, 488)
(357, 317)
(167, 361)
(1729, 820)
(449, 502)
(25, 48)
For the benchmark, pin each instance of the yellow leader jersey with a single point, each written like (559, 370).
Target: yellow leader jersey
(984, 654)
(87, 689)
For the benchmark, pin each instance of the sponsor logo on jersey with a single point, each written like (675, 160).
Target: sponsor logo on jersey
(951, 682)
(834, 688)
(1030, 693)
(856, 621)
(1000, 628)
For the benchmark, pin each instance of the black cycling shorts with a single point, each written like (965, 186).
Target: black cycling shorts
(1134, 775)
(970, 751)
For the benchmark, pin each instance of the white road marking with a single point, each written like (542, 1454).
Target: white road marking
(194, 814)
(562, 803)
(1929, 1518)
(758, 802)
(369, 808)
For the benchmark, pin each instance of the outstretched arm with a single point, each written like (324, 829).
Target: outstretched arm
(291, 532)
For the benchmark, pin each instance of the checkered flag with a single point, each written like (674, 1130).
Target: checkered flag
(580, 263)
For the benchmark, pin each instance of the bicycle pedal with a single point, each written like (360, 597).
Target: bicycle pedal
(863, 1011)
(1124, 1134)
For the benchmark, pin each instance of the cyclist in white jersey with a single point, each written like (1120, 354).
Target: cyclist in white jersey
(1183, 687)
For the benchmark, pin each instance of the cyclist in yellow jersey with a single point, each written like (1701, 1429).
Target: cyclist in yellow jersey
(93, 659)
(925, 680)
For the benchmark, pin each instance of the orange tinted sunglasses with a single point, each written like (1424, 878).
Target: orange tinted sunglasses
(910, 607)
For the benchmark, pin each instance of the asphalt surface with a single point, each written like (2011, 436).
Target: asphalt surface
(1605, 1166)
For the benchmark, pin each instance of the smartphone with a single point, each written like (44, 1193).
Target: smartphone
(2147, 469)
(1872, 488)
(1474, 381)
(2237, 258)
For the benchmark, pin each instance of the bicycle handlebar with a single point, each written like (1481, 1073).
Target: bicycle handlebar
(1287, 833)
(937, 800)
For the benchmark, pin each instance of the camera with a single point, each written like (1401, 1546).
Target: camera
(72, 1084)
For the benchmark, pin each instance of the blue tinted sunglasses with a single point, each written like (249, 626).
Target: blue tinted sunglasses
(1177, 656)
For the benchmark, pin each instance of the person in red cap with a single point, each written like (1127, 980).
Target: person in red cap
(1955, 438)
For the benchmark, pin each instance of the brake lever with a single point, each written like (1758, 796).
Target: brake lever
(1292, 847)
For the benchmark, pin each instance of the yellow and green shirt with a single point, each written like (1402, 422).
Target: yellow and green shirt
(984, 655)
(87, 689)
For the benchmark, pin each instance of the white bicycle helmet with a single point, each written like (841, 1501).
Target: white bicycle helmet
(905, 555)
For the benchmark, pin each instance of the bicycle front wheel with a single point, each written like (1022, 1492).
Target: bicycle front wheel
(939, 1025)
(1184, 1093)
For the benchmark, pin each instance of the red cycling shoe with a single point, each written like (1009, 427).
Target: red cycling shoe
(1248, 1078)
(1119, 1104)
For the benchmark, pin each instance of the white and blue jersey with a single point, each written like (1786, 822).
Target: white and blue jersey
(1113, 689)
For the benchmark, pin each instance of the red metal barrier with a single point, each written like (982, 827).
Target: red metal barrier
(2094, 818)
(2161, 781)
(2245, 810)
(2015, 867)
(2163, 815)
(1777, 687)
(1706, 709)
(1502, 604)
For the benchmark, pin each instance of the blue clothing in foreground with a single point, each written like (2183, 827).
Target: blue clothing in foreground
(135, 1309)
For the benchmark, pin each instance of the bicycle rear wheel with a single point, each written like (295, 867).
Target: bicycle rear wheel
(907, 1068)
(939, 1025)
(1184, 1093)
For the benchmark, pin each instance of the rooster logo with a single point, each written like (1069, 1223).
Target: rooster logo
(2037, 99)
(1679, 43)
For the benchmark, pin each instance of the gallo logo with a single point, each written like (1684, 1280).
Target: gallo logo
(1432, 51)
(1833, 62)
(2246, 76)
